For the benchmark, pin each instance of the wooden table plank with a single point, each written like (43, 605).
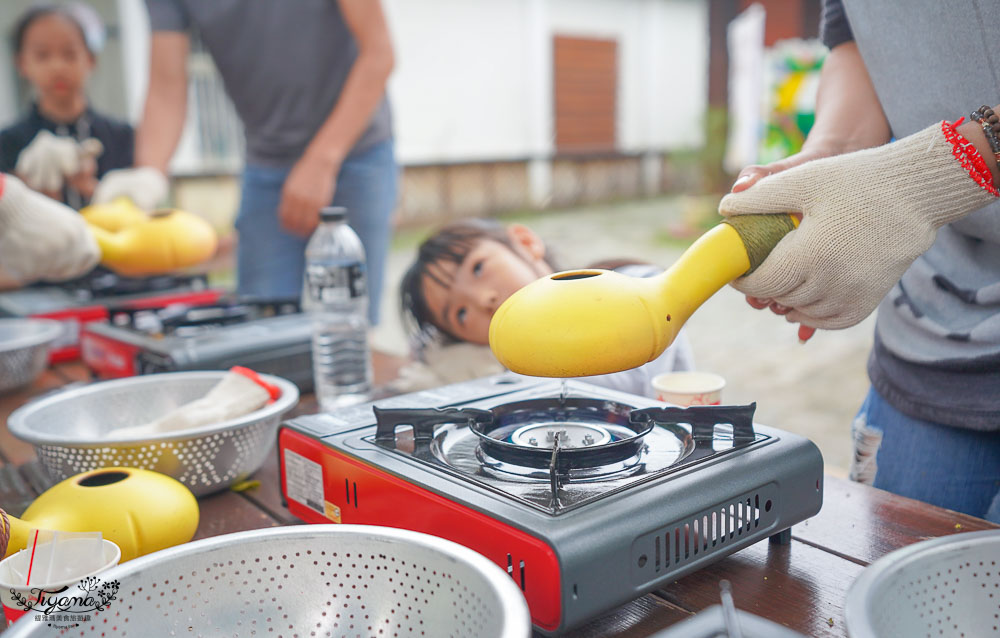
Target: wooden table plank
(228, 512)
(864, 524)
(12, 449)
(267, 495)
(642, 617)
(74, 372)
(798, 585)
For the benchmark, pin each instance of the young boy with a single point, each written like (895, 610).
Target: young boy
(63, 147)
(468, 268)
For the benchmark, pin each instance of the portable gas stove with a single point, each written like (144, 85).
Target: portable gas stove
(98, 295)
(588, 497)
(270, 336)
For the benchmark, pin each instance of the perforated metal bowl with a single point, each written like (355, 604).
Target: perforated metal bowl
(24, 350)
(319, 580)
(947, 586)
(72, 430)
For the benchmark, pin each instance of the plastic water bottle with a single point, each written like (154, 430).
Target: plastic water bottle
(335, 293)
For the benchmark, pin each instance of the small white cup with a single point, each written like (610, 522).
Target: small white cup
(15, 566)
(689, 388)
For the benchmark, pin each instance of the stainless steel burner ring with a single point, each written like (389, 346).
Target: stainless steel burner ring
(571, 435)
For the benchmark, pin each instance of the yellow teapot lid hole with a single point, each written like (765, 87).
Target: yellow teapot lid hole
(576, 274)
(99, 479)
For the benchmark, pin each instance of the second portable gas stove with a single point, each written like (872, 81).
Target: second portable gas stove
(96, 296)
(270, 336)
(587, 497)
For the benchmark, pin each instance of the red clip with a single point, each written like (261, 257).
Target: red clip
(272, 389)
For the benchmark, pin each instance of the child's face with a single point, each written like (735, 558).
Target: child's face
(54, 58)
(490, 273)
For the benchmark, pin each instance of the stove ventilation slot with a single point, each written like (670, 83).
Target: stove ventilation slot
(514, 573)
(712, 530)
(347, 492)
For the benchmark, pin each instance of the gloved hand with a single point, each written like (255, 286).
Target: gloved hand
(865, 217)
(145, 186)
(49, 160)
(41, 238)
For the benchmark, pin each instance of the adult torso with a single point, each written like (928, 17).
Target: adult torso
(284, 65)
(931, 60)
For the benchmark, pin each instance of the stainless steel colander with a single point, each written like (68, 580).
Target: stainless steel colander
(343, 581)
(72, 431)
(946, 586)
(24, 350)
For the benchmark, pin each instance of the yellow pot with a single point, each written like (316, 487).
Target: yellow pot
(114, 216)
(152, 244)
(586, 322)
(139, 510)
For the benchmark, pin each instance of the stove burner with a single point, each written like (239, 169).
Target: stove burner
(557, 453)
(615, 437)
(567, 435)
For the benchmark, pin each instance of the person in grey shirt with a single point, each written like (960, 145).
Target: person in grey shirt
(307, 78)
(911, 226)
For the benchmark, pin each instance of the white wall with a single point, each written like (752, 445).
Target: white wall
(461, 86)
(474, 77)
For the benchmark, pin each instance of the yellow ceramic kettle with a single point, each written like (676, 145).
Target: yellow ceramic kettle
(139, 510)
(136, 244)
(585, 322)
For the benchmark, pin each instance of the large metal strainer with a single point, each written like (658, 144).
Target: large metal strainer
(342, 581)
(24, 350)
(73, 430)
(947, 586)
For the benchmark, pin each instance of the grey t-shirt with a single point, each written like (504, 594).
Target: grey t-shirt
(283, 63)
(937, 337)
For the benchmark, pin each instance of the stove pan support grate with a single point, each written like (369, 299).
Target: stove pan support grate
(703, 419)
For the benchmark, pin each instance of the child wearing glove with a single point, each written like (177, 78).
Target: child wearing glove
(62, 147)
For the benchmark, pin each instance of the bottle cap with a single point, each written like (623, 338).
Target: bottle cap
(332, 214)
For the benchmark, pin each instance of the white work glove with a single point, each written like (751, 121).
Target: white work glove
(145, 186)
(49, 159)
(235, 395)
(865, 217)
(41, 238)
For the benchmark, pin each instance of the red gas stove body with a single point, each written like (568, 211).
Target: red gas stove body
(505, 466)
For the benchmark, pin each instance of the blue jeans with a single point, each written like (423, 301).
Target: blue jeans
(270, 262)
(946, 466)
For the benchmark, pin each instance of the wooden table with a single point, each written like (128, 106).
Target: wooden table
(801, 585)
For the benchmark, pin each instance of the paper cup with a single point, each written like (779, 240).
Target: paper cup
(14, 566)
(689, 388)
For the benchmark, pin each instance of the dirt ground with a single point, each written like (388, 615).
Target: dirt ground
(812, 389)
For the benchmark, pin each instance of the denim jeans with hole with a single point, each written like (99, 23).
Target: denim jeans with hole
(949, 467)
(270, 261)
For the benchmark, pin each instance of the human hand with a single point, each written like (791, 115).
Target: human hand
(41, 238)
(865, 217)
(144, 185)
(49, 159)
(309, 186)
(750, 176)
